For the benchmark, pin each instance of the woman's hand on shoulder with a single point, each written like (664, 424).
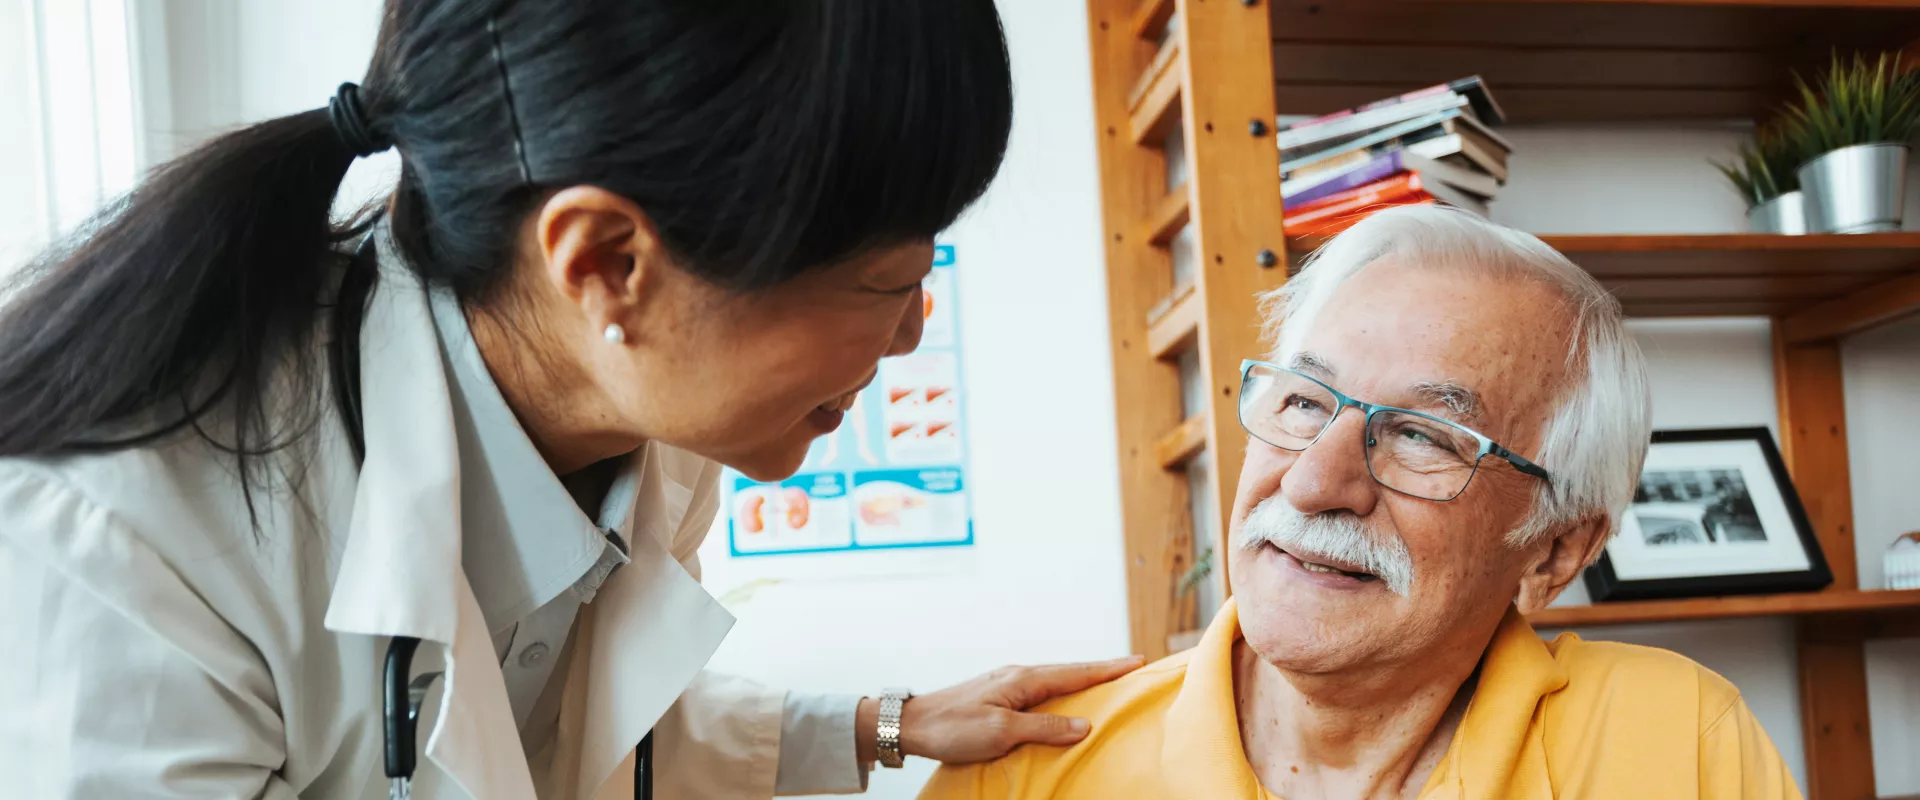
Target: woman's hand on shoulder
(985, 718)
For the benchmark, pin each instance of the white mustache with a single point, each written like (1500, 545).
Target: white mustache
(1339, 538)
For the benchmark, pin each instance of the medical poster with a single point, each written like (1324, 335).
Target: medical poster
(894, 475)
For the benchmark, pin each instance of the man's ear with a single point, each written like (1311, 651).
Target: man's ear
(598, 249)
(1569, 549)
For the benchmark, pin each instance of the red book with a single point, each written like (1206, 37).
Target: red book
(1336, 224)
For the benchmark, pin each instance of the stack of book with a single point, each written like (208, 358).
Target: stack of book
(1435, 145)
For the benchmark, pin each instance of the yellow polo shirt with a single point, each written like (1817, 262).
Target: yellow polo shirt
(1561, 719)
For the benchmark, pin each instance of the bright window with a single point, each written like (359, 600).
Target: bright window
(71, 136)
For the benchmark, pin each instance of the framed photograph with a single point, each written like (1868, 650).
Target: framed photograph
(1715, 514)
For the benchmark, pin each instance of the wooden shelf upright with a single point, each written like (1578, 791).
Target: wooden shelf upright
(1191, 88)
(1186, 84)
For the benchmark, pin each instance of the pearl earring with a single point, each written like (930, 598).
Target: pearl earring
(615, 334)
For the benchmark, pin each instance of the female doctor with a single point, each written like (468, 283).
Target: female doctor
(244, 452)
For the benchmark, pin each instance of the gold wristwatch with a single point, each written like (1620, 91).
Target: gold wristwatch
(887, 743)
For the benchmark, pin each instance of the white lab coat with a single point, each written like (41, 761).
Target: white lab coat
(160, 645)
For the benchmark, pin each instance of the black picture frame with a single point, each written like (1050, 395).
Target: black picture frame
(1604, 584)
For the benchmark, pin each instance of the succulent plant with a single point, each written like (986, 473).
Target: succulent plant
(1763, 169)
(1854, 102)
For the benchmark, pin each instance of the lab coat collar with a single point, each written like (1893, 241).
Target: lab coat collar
(650, 630)
(400, 571)
(652, 626)
(525, 540)
(1495, 753)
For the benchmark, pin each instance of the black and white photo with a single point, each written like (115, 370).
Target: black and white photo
(1714, 513)
(1696, 506)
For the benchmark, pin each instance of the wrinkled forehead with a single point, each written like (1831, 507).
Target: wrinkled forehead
(1490, 350)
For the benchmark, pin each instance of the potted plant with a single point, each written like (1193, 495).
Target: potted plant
(1763, 173)
(1851, 134)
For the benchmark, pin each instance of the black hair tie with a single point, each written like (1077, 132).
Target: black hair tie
(350, 122)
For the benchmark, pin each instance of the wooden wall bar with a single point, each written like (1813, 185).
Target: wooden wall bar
(1146, 391)
(1234, 168)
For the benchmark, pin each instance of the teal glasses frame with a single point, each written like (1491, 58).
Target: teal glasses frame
(1487, 445)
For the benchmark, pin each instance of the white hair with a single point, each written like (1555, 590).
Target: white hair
(1596, 440)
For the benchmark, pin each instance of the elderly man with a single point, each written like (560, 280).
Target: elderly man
(1449, 430)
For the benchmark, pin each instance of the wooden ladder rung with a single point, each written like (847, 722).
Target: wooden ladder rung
(1168, 216)
(1150, 17)
(1181, 444)
(1177, 329)
(1154, 106)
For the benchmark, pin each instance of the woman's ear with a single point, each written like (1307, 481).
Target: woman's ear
(1569, 549)
(600, 251)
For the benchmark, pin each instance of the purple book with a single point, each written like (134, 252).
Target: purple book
(1379, 167)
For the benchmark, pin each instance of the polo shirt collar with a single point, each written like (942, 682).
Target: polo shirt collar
(1495, 753)
(524, 540)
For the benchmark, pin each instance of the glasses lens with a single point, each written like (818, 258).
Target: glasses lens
(1284, 409)
(1421, 456)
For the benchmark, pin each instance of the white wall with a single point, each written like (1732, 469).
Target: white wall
(1719, 373)
(23, 206)
(1045, 582)
(229, 62)
(70, 140)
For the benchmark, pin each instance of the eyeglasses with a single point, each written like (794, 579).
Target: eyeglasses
(1415, 454)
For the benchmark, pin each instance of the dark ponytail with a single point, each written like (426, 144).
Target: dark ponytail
(177, 297)
(764, 139)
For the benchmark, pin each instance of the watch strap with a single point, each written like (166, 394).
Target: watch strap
(887, 743)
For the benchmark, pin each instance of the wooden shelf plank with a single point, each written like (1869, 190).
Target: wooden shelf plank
(1855, 311)
(1657, 24)
(1905, 601)
(1154, 107)
(1168, 216)
(1735, 287)
(1182, 443)
(1739, 254)
(1574, 60)
(1738, 274)
(1504, 67)
(1731, 254)
(1176, 330)
(1671, 275)
(1150, 18)
(1649, 309)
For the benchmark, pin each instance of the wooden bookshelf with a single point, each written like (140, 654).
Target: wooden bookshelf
(1896, 604)
(1220, 76)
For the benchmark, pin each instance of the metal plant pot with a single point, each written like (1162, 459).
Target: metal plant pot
(1858, 189)
(1783, 214)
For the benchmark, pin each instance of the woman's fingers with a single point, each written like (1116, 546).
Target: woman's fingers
(1049, 729)
(1033, 685)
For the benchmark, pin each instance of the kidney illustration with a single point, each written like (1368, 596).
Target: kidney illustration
(799, 507)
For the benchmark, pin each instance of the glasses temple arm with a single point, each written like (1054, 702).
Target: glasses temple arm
(1521, 464)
